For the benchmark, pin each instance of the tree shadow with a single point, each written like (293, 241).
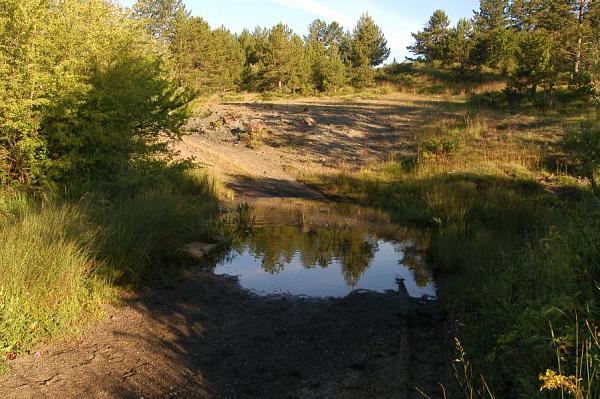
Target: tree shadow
(352, 133)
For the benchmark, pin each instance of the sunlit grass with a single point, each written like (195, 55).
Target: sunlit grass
(512, 252)
(60, 258)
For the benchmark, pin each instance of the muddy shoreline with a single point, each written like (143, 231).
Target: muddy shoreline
(208, 338)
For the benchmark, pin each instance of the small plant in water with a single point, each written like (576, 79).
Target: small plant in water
(239, 221)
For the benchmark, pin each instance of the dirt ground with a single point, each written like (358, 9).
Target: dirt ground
(205, 337)
(303, 137)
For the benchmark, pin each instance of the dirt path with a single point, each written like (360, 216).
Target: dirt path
(205, 337)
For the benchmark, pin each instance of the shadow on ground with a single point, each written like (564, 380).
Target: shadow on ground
(206, 338)
(351, 133)
(251, 188)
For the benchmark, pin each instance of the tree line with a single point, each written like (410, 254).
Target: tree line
(265, 59)
(535, 44)
(90, 88)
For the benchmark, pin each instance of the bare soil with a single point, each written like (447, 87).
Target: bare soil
(303, 137)
(205, 337)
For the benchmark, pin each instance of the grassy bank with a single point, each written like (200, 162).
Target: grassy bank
(516, 240)
(61, 256)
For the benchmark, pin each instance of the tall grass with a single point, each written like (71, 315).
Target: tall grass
(512, 254)
(60, 257)
(48, 269)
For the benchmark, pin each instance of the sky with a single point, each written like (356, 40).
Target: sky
(396, 18)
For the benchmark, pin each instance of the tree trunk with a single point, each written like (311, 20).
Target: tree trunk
(579, 49)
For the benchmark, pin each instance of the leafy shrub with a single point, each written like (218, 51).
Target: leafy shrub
(438, 147)
(99, 95)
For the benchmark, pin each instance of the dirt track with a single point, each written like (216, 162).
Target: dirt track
(205, 337)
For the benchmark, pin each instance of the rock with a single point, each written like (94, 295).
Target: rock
(309, 121)
(256, 125)
(229, 119)
(198, 250)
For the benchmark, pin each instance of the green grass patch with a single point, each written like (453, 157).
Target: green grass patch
(60, 257)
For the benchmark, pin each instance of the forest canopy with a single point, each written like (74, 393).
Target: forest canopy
(534, 44)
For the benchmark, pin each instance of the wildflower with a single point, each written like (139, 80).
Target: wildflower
(553, 381)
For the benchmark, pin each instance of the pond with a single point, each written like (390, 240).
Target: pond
(322, 249)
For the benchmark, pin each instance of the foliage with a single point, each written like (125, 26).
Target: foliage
(431, 44)
(513, 255)
(85, 91)
(283, 61)
(59, 257)
(367, 45)
(535, 44)
(209, 60)
(277, 59)
(160, 16)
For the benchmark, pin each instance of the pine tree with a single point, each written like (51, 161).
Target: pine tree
(368, 44)
(534, 63)
(226, 60)
(494, 44)
(283, 64)
(190, 48)
(323, 47)
(431, 44)
(367, 48)
(460, 43)
(492, 15)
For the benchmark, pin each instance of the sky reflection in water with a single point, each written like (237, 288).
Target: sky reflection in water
(327, 250)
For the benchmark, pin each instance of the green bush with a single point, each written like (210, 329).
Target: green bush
(585, 143)
(99, 94)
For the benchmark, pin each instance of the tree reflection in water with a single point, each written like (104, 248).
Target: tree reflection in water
(319, 236)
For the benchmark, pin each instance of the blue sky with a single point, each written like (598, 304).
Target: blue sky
(396, 18)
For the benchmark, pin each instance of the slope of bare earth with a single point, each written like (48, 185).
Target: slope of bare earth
(302, 137)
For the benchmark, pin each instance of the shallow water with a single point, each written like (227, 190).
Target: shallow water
(321, 249)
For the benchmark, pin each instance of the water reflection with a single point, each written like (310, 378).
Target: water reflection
(322, 249)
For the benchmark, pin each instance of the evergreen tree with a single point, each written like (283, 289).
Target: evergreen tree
(282, 60)
(323, 47)
(534, 63)
(368, 44)
(190, 48)
(227, 60)
(367, 48)
(209, 60)
(460, 43)
(431, 44)
(492, 15)
(494, 44)
(327, 34)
